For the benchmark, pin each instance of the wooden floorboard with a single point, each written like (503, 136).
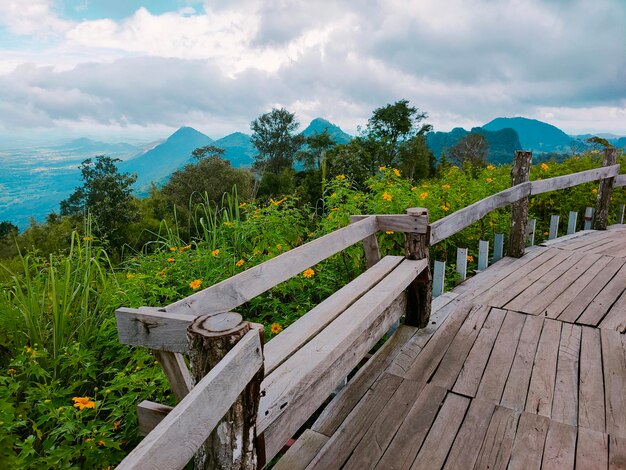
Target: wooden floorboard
(530, 438)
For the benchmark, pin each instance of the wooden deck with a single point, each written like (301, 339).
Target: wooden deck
(523, 366)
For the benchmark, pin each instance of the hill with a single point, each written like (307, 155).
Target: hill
(319, 125)
(502, 143)
(237, 149)
(534, 135)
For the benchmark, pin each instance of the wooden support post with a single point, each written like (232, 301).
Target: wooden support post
(588, 218)
(461, 262)
(554, 227)
(176, 371)
(416, 246)
(620, 214)
(233, 444)
(483, 255)
(498, 247)
(604, 191)
(532, 226)
(439, 278)
(520, 173)
(571, 222)
(372, 251)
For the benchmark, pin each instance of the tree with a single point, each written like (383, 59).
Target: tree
(206, 152)
(316, 147)
(470, 152)
(107, 195)
(7, 229)
(415, 159)
(392, 125)
(275, 140)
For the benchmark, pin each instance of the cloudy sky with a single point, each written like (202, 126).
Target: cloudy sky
(142, 68)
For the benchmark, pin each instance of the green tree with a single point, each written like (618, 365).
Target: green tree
(107, 195)
(470, 152)
(416, 160)
(206, 152)
(7, 229)
(315, 150)
(275, 140)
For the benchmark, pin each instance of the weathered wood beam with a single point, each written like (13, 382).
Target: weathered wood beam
(604, 191)
(180, 434)
(153, 329)
(176, 371)
(574, 179)
(620, 180)
(520, 173)
(396, 222)
(237, 290)
(420, 291)
(150, 414)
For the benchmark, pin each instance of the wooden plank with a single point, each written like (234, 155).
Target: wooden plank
(497, 370)
(591, 381)
(301, 384)
(573, 179)
(372, 251)
(516, 388)
(341, 444)
(602, 302)
(614, 365)
(404, 447)
(591, 237)
(153, 329)
(538, 304)
(176, 371)
(455, 356)
(461, 263)
(439, 278)
(617, 453)
(302, 451)
(396, 222)
(530, 235)
(469, 440)
(566, 238)
(554, 227)
(150, 414)
(571, 222)
(483, 255)
(237, 290)
(457, 221)
(175, 439)
(620, 180)
(560, 448)
(524, 301)
(585, 296)
(496, 449)
(615, 319)
(592, 450)
(530, 438)
(498, 247)
(442, 433)
(335, 413)
(472, 371)
(279, 348)
(541, 389)
(610, 248)
(563, 300)
(588, 218)
(565, 404)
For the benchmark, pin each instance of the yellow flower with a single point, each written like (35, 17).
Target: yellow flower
(545, 234)
(594, 191)
(396, 172)
(279, 247)
(27, 349)
(239, 263)
(389, 232)
(489, 180)
(116, 424)
(335, 209)
(83, 402)
(11, 371)
(387, 197)
(445, 208)
(308, 273)
(595, 151)
(129, 276)
(491, 167)
(413, 188)
(87, 239)
(544, 167)
(100, 442)
(382, 168)
(172, 248)
(170, 260)
(470, 258)
(276, 203)
(195, 285)
(333, 195)
(423, 195)
(242, 204)
(445, 186)
(340, 177)
(185, 248)
(276, 328)
(215, 252)
(162, 273)
(228, 224)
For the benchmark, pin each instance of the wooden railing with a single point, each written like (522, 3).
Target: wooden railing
(276, 387)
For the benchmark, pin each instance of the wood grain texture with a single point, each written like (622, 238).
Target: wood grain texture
(617, 453)
(237, 290)
(396, 222)
(574, 179)
(149, 414)
(602, 302)
(176, 371)
(605, 190)
(541, 389)
(498, 442)
(565, 404)
(153, 329)
(530, 438)
(560, 448)
(591, 381)
(282, 346)
(181, 433)
(592, 449)
(302, 452)
(614, 362)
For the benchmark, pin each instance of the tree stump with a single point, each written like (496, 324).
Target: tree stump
(520, 173)
(604, 192)
(233, 443)
(420, 291)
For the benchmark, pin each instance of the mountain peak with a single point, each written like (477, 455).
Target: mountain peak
(533, 134)
(319, 125)
(186, 132)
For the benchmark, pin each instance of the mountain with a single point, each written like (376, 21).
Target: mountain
(90, 148)
(319, 125)
(237, 149)
(156, 164)
(534, 135)
(502, 143)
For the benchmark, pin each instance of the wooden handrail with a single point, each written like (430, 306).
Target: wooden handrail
(574, 179)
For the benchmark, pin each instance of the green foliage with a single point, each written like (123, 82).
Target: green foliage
(470, 153)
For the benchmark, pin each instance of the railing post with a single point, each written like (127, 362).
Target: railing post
(604, 191)
(233, 444)
(520, 173)
(416, 246)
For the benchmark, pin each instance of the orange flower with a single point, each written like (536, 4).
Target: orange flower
(423, 195)
(389, 232)
(340, 177)
(594, 191)
(489, 180)
(170, 260)
(129, 276)
(87, 239)
(544, 167)
(279, 247)
(387, 197)
(276, 328)
(239, 263)
(83, 402)
(308, 273)
(491, 167)
(396, 172)
(445, 186)
(172, 248)
(215, 252)
(116, 424)
(470, 258)
(195, 285)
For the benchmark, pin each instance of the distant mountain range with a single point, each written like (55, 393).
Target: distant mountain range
(502, 143)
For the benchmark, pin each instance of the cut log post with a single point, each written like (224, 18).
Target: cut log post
(416, 246)
(604, 191)
(233, 444)
(372, 251)
(520, 173)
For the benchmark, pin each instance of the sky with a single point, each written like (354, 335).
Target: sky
(139, 69)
